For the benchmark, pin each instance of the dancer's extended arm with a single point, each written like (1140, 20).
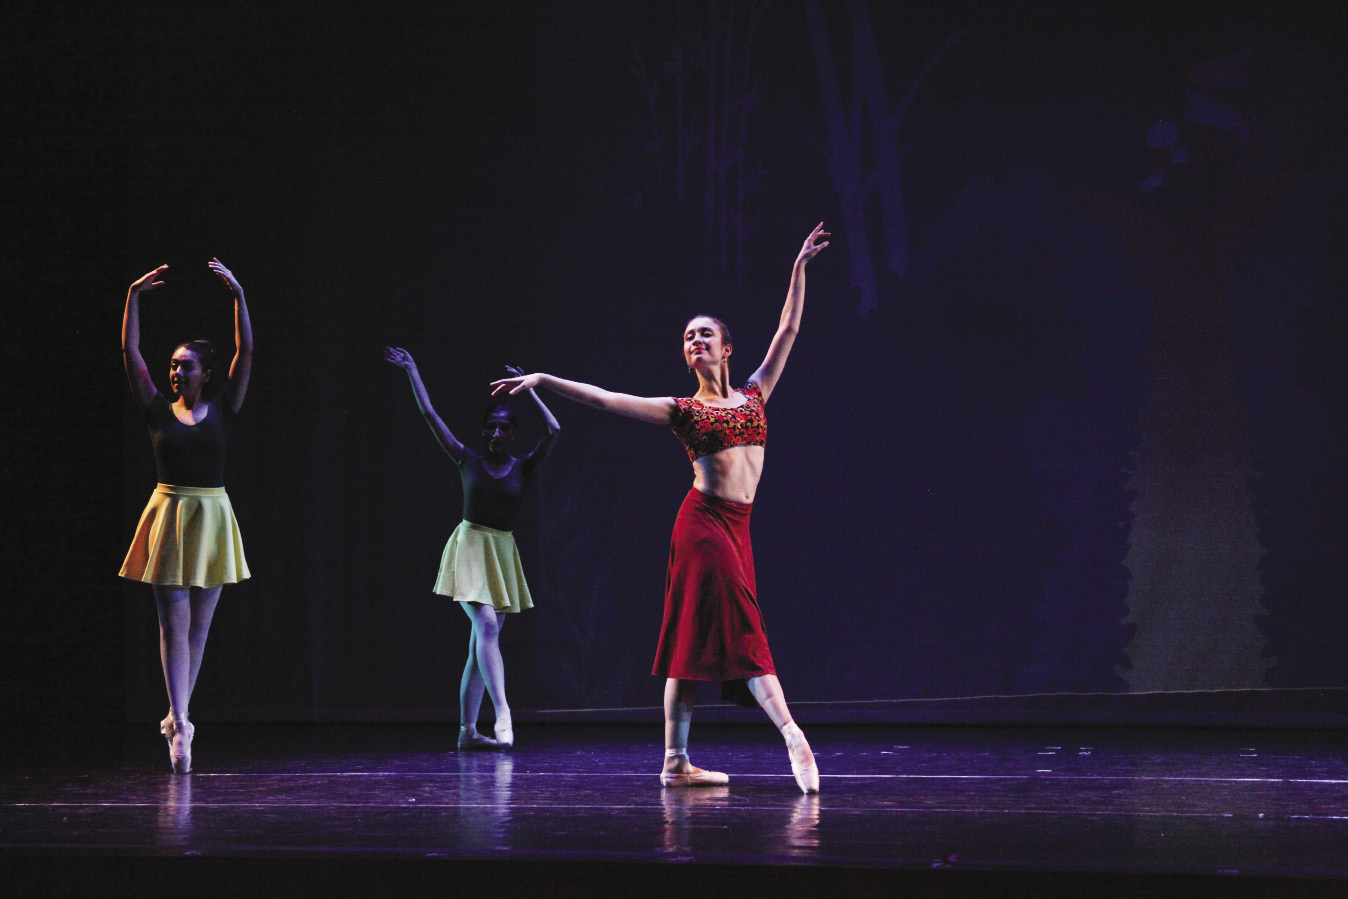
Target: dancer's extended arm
(654, 409)
(540, 452)
(403, 359)
(137, 375)
(771, 369)
(242, 366)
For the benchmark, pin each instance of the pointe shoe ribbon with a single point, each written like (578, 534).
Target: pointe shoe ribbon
(802, 759)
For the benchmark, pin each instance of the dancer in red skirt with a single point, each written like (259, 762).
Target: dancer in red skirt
(713, 629)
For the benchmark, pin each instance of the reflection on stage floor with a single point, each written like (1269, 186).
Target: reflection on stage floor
(1100, 800)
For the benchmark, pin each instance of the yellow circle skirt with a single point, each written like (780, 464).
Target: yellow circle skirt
(187, 537)
(482, 565)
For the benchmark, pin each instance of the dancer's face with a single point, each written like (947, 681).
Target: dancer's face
(186, 374)
(498, 431)
(703, 346)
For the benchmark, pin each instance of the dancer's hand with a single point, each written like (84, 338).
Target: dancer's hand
(225, 275)
(147, 281)
(521, 381)
(810, 248)
(400, 357)
(540, 452)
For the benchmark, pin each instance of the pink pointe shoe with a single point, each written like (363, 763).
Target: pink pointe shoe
(693, 777)
(505, 735)
(802, 759)
(470, 740)
(179, 735)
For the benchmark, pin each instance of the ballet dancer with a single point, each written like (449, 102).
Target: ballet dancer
(481, 566)
(713, 628)
(187, 543)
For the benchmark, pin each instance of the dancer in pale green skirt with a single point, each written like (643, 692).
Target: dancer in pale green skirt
(481, 567)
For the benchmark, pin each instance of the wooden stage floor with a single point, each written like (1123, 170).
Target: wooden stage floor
(935, 810)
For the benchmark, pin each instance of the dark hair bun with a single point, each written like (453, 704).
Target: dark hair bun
(499, 407)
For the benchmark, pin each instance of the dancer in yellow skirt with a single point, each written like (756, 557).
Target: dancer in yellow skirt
(187, 544)
(481, 566)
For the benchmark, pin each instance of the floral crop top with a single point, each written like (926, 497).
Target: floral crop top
(704, 429)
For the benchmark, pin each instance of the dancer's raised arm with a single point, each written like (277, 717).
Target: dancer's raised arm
(540, 452)
(653, 409)
(771, 369)
(403, 359)
(137, 374)
(242, 366)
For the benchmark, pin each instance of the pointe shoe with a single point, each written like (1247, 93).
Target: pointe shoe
(470, 739)
(505, 736)
(180, 745)
(693, 777)
(802, 759)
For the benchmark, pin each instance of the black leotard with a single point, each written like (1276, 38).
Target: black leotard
(488, 501)
(189, 455)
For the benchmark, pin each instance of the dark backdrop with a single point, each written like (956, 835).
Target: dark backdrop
(1064, 434)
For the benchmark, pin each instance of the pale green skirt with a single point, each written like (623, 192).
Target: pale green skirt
(187, 537)
(481, 564)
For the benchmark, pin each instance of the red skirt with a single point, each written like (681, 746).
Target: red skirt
(713, 628)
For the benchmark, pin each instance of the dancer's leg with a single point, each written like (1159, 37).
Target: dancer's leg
(470, 701)
(203, 601)
(487, 650)
(768, 691)
(487, 624)
(174, 605)
(678, 771)
(470, 687)
(175, 654)
(680, 696)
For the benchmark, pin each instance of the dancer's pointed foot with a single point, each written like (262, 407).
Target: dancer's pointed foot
(470, 739)
(180, 732)
(679, 772)
(505, 736)
(802, 759)
(695, 777)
